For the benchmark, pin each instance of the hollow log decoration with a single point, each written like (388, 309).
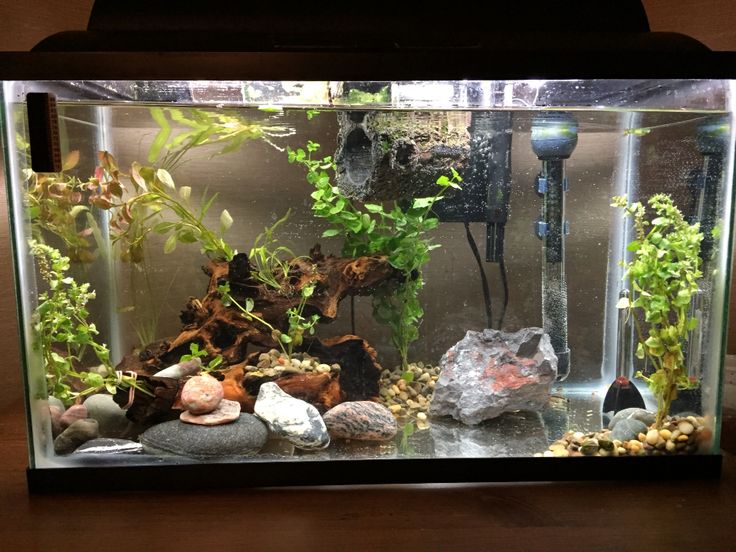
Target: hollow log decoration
(221, 330)
(390, 155)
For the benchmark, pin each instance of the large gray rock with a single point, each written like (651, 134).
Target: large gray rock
(292, 419)
(110, 417)
(244, 437)
(627, 429)
(644, 416)
(491, 372)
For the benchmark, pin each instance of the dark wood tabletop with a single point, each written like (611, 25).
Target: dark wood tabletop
(595, 516)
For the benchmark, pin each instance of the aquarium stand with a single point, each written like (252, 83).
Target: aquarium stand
(372, 472)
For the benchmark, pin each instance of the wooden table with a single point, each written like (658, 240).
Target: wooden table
(595, 516)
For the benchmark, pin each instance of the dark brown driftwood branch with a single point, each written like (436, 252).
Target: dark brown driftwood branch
(357, 381)
(222, 330)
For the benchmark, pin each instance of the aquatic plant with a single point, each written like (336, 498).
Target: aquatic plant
(298, 324)
(355, 96)
(205, 128)
(64, 335)
(271, 261)
(398, 232)
(196, 352)
(55, 203)
(663, 274)
(154, 194)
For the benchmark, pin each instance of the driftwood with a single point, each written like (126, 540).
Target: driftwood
(221, 330)
(357, 380)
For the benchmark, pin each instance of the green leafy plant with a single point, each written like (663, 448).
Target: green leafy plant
(64, 335)
(154, 194)
(196, 352)
(298, 324)
(204, 128)
(398, 232)
(663, 274)
(271, 261)
(57, 203)
(407, 430)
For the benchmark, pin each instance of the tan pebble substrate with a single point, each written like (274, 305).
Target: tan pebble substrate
(677, 436)
(409, 400)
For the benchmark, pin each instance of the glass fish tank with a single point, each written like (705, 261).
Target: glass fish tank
(347, 281)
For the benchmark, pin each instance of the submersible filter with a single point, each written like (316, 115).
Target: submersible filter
(554, 137)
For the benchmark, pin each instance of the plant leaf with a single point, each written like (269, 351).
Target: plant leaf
(170, 244)
(165, 178)
(226, 221)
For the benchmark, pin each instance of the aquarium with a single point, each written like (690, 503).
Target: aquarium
(313, 281)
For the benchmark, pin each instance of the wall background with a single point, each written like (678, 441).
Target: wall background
(23, 24)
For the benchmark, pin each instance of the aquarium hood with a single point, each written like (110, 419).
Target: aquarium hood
(134, 40)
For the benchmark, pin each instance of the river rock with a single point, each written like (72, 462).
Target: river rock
(110, 417)
(75, 435)
(491, 372)
(201, 394)
(292, 419)
(53, 401)
(643, 416)
(72, 414)
(244, 437)
(226, 412)
(627, 429)
(109, 446)
(181, 370)
(55, 413)
(361, 420)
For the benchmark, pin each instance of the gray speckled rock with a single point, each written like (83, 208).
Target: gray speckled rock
(75, 435)
(643, 416)
(108, 414)
(627, 429)
(292, 419)
(244, 437)
(109, 446)
(361, 420)
(491, 372)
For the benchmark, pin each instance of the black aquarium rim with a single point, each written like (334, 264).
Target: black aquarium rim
(222, 476)
(368, 66)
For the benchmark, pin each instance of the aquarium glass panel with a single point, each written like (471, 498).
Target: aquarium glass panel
(280, 271)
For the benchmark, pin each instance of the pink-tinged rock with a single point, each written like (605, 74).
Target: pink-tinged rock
(72, 414)
(55, 413)
(491, 372)
(362, 421)
(226, 412)
(201, 394)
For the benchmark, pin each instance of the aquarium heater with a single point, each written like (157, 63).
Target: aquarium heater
(554, 137)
